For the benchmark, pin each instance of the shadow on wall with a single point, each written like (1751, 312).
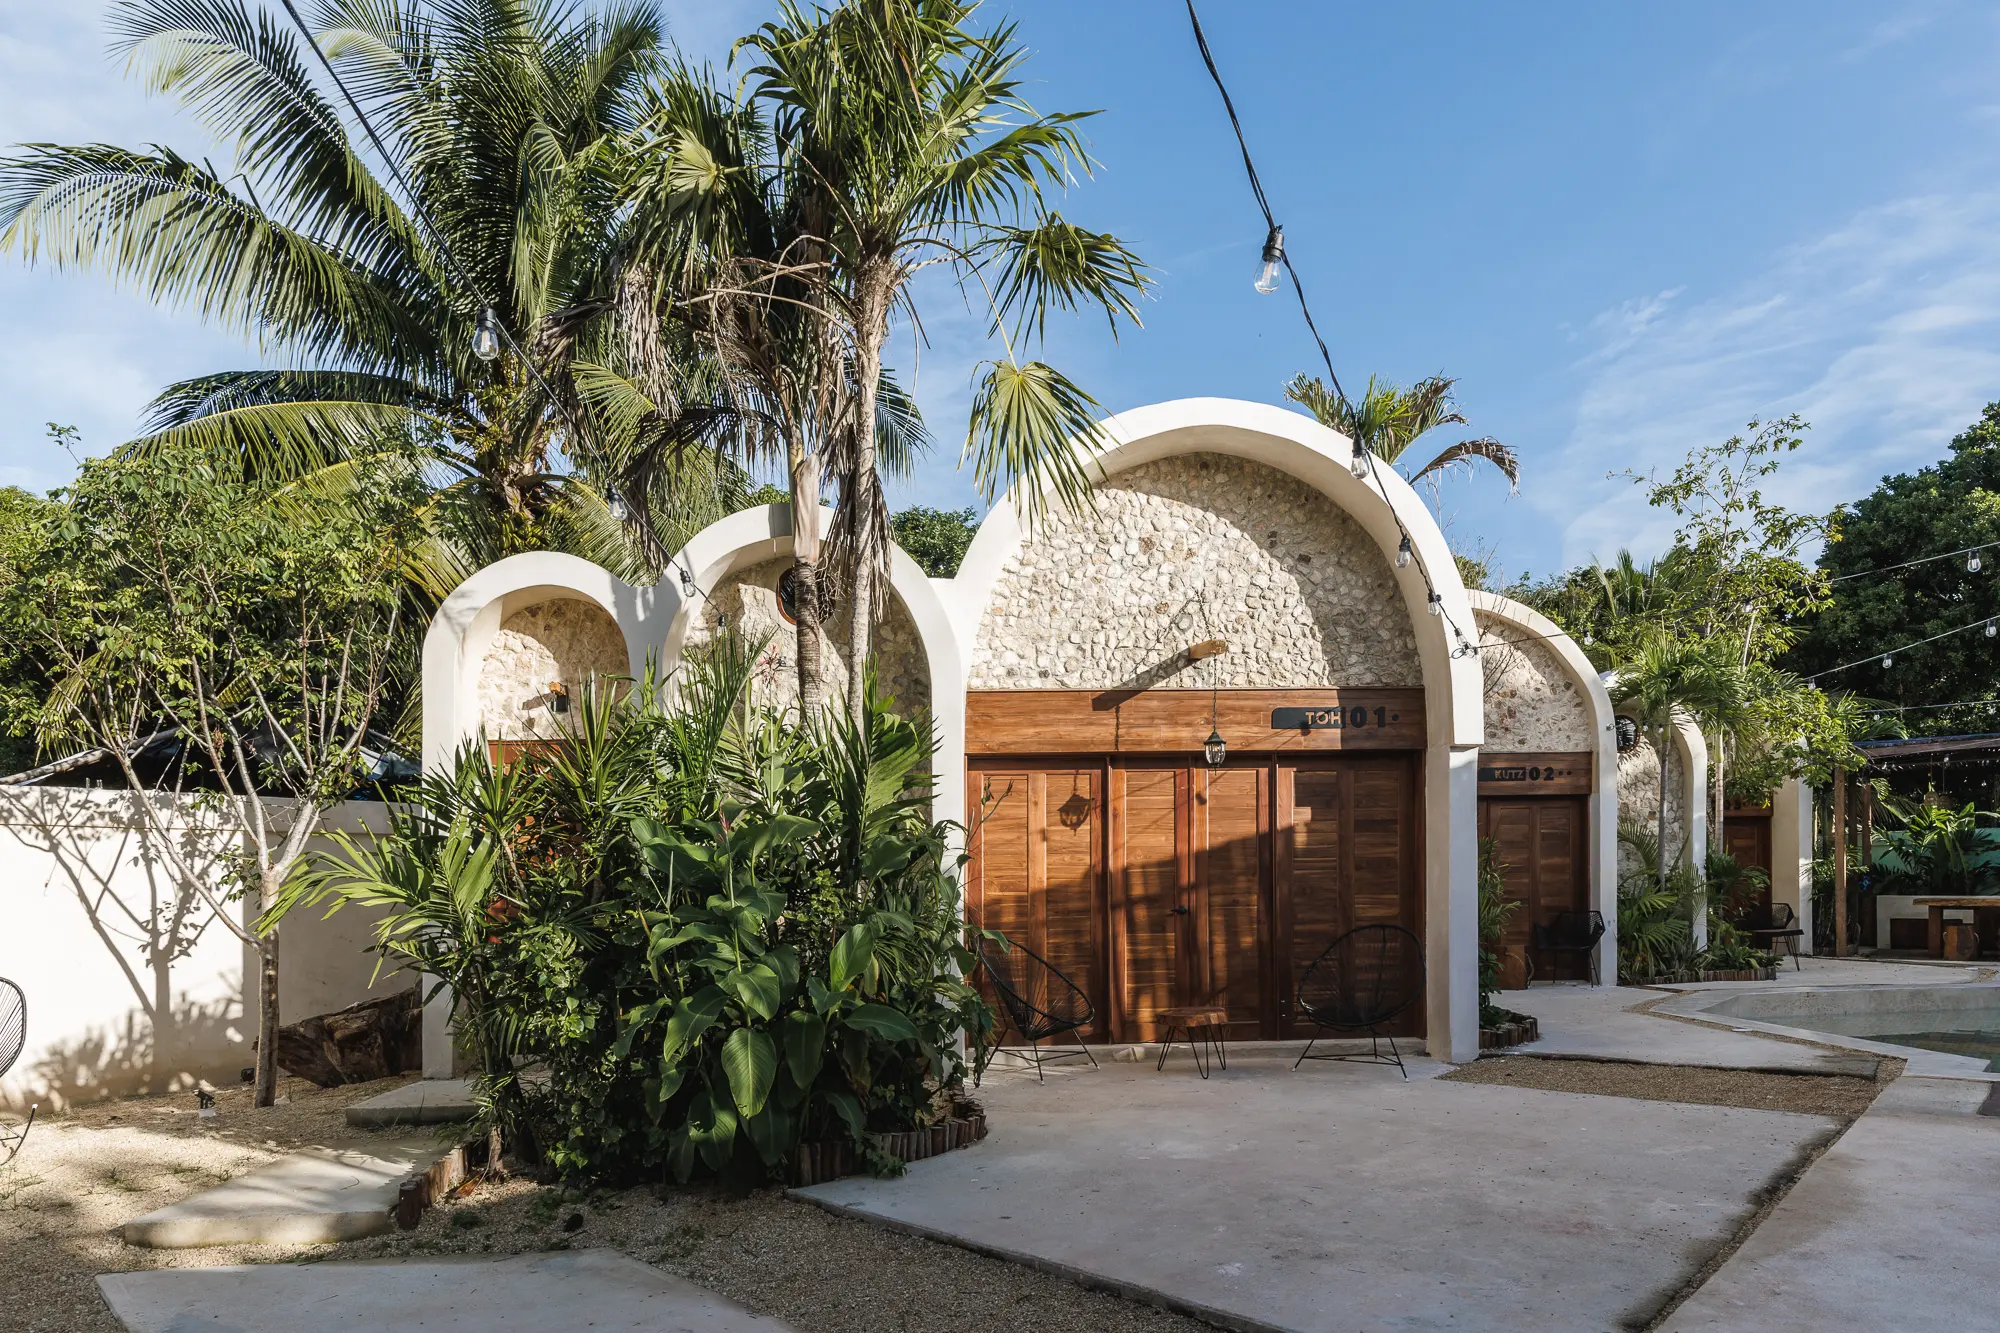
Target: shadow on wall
(130, 993)
(140, 1057)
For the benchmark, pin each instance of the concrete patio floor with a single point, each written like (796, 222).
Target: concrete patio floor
(1343, 1197)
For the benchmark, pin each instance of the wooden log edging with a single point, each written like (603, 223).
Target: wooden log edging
(829, 1159)
(1523, 1028)
(422, 1191)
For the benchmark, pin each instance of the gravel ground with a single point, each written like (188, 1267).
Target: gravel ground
(1810, 1094)
(83, 1174)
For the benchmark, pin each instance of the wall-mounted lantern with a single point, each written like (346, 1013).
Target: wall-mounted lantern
(558, 697)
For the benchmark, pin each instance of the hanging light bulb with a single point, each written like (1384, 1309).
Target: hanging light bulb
(1359, 467)
(1403, 554)
(687, 581)
(1992, 628)
(1437, 605)
(1274, 259)
(486, 336)
(1972, 563)
(1588, 638)
(1887, 661)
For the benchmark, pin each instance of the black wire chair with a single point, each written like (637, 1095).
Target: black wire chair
(1363, 982)
(13, 1036)
(1037, 1001)
(1776, 930)
(1575, 933)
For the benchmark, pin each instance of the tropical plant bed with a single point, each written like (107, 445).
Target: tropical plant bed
(830, 1159)
(1769, 973)
(1518, 1028)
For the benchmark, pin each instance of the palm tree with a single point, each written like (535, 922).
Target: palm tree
(1668, 680)
(727, 247)
(382, 272)
(1389, 419)
(910, 133)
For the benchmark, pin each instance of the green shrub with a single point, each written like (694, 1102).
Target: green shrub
(1496, 909)
(685, 937)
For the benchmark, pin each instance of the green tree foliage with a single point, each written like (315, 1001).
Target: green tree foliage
(719, 932)
(24, 677)
(1388, 419)
(508, 121)
(1951, 504)
(171, 603)
(935, 538)
(912, 119)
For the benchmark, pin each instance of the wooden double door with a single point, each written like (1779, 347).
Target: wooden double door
(1162, 882)
(1539, 841)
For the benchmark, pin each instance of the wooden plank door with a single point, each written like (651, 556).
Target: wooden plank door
(1149, 891)
(1344, 856)
(1747, 839)
(1540, 844)
(1036, 869)
(1230, 833)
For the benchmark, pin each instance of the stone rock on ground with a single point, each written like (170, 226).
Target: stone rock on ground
(377, 1038)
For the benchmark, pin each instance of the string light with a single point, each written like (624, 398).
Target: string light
(1436, 605)
(1972, 563)
(486, 336)
(1992, 629)
(1887, 661)
(1403, 553)
(1274, 259)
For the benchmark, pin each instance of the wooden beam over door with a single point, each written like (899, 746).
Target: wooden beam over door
(1161, 721)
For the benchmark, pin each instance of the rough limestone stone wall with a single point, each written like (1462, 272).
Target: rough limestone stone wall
(1531, 701)
(749, 600)
(1184, 549)
(1639, 801)
(563, 639)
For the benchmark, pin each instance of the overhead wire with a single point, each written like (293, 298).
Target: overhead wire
(1371, 466)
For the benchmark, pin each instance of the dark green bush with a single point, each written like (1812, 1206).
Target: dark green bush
(685, 937)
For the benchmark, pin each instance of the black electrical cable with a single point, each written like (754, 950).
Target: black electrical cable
(1370, 464)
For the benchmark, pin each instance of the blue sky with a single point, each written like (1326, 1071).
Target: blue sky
(1625, 228)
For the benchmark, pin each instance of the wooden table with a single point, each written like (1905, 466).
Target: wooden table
(1939, 906)
(1211, 1020)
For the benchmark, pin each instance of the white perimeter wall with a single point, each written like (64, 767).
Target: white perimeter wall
(119, 1001)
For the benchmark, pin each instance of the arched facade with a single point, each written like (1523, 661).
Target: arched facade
(1352, 720)
(1548, 779)
(1074, 662)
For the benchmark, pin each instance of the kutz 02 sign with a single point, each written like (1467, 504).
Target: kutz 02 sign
(1535, 774)
(1352, 718)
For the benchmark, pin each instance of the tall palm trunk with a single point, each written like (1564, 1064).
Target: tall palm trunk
(872, 307)
(1663, 752)
(805, 574)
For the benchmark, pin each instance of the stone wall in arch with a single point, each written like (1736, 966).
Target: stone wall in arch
(1639, 802)
(564, 639)
(1187, 548)
(748, 600)
(1532, 703)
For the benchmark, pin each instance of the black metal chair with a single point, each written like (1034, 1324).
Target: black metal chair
(13, 1037)
(1037, 1001)
(1774, 927)
(1571, 933)
(1362, 982)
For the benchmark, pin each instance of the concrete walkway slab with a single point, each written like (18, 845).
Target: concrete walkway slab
(1892, 1229)
(1343, 1197)
(1607, 1023)
(599, 1290)
(310, 1197)
(428, 1101)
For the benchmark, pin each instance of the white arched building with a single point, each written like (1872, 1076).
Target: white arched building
(1376, 717)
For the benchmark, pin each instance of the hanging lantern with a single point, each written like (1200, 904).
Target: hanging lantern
(1214, 749)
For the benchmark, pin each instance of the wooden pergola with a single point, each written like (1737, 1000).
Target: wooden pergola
(1892, 756)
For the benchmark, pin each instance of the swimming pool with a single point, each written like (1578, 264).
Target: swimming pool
(1961, 1020)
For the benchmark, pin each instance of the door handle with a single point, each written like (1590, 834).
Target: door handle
(1178, 911)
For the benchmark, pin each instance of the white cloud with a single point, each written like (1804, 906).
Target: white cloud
(1884, 334)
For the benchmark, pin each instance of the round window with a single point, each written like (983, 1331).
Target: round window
(788, 595)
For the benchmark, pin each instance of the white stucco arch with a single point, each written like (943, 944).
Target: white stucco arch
(1602, 842)
(466, 623)
(751, 537)
(1386, 509)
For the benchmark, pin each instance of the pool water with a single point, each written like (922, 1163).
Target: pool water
(1973, 1032)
